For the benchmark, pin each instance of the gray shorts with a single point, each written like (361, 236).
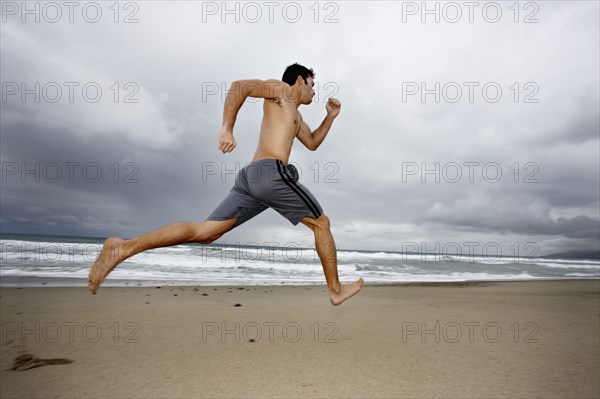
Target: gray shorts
(267, 183)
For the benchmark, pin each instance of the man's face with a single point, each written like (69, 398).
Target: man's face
(307, 90)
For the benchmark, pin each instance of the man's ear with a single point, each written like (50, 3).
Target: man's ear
(300, 80)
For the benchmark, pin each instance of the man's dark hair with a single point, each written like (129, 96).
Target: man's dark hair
(293, 71)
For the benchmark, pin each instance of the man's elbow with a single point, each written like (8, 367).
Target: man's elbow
(236, 90)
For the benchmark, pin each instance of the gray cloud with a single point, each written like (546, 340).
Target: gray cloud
(547, 151)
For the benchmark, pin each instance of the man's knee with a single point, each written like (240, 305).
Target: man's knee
(207, 238)
(212, 230)
(322, 222)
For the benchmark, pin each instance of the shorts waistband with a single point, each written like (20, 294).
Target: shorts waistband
(275, 166)
(273, 160)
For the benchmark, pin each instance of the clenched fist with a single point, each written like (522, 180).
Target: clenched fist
(226, 141)
(333, 107)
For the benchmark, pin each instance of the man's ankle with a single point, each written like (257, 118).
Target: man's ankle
(335, 288)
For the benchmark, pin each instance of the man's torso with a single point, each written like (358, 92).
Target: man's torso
(280, 125)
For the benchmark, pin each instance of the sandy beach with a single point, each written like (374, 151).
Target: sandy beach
(535, 339)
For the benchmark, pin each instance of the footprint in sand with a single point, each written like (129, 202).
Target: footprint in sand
(28, 361)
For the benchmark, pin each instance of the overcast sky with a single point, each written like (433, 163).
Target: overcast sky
(480, 129)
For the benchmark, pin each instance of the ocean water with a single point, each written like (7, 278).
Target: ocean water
(27, 260)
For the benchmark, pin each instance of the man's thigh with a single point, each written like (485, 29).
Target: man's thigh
(237, 206)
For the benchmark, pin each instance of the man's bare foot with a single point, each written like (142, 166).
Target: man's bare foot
(346, 291)
(110, 256)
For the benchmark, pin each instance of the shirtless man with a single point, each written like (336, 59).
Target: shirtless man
(268, 181)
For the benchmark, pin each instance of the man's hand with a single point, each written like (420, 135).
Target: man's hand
(333, 107)
(226, 141)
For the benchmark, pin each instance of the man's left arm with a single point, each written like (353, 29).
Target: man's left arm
(312, 140)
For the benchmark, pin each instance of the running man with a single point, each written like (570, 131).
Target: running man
(268, 181)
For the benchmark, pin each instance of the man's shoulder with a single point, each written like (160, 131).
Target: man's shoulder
(275, 81)
(277, 88)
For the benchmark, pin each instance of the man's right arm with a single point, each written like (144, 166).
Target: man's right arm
(237, 94)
